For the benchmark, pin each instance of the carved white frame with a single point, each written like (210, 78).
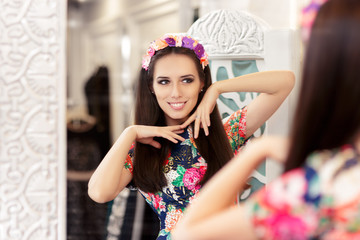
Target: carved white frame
(231, 34)
(238, 35)
(32, 118)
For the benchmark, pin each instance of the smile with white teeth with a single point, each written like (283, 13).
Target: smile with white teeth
(177, 105)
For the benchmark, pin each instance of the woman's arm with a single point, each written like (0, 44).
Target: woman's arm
(213, 214)
(274, 87)
(111, 177)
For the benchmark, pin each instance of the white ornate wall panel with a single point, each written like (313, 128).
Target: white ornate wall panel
(32, 110)
(228, 34)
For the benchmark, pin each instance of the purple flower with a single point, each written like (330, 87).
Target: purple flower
(199, 50)
(170, 41)
(188, 42)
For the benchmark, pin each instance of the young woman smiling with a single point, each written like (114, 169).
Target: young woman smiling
(165, 153)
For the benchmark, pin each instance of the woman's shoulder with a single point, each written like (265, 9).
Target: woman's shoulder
(328, 172)
(334, 160)
(338, 173)
(326, 186)
(235, 116)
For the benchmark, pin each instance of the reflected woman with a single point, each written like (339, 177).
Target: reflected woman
(178, 141)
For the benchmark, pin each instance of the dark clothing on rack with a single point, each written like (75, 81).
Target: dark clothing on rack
(98, 101)
(86, 219)
(87, 146)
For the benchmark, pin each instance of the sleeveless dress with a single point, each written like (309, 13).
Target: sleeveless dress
(318, 201)
(183, 169)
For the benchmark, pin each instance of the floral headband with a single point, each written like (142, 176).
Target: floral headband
(175, 41)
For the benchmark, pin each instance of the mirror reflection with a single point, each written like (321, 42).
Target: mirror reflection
(106, 40)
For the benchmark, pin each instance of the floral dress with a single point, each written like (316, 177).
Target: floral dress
(319, 201)
(183, 170)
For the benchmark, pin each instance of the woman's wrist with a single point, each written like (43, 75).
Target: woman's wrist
(215, 88)
(129, 134)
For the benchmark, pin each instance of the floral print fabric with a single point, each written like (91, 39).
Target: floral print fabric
(319, 201)
(183, 170)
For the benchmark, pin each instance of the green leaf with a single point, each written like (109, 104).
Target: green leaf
(178, 182)
(181, 171)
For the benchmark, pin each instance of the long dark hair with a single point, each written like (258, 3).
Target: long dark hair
(328, 110)
(148, 161)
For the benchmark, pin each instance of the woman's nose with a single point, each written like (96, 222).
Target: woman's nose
(176, 91)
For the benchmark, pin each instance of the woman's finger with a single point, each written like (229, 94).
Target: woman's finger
(169, 134)
(176, 136)
(197, 126)
(178, 131)
(169, 137)
(175, 128)
(207, 119)
(189, 120)
(205, 126)
(155, 144)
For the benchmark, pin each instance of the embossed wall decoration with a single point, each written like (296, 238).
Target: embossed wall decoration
(230, 33)
(32, 115)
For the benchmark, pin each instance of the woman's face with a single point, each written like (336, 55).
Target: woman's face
(176, 86)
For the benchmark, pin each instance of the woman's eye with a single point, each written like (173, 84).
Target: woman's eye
(163, 82)
(188, 80)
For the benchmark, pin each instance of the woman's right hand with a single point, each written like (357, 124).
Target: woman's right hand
(201, 116)
(145, 134)
(273, 147)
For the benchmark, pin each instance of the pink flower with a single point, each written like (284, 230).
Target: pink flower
(157, 202)
(146, 61)
(151, 51)
(192, 177)
(283, 226)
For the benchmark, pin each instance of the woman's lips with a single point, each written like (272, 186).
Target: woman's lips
(177, 105)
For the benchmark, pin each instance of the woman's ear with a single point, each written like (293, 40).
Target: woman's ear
(202, 86)
(151, 90)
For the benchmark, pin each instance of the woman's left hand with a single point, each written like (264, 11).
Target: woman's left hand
(201, 116)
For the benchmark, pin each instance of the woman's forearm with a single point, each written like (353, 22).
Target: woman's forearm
(110, 177)
(273, 86)
(270, 82)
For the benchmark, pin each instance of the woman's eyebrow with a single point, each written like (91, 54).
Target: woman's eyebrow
(187, 75)
(182, 76)
(162, 77)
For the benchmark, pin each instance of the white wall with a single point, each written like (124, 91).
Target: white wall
(32, 119)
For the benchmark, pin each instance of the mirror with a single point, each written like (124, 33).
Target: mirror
(106, 40)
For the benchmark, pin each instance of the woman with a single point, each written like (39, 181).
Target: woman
(318, 196)
(165, 153)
